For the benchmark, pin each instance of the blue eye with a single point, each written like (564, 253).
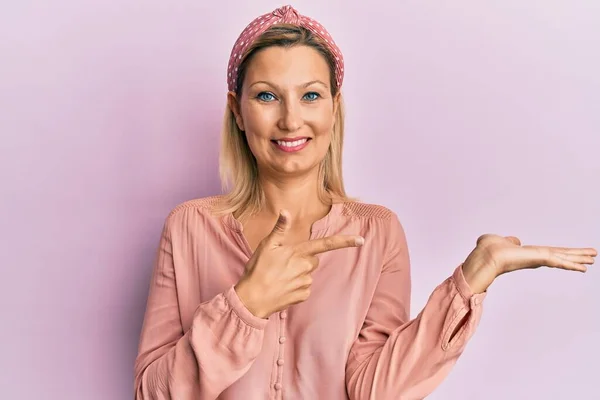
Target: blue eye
(311, 96)
(265, 96)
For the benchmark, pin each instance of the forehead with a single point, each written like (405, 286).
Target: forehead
(294, 65)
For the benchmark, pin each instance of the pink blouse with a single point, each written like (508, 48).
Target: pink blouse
(352, 339)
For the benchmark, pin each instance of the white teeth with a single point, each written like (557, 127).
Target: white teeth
(291, 144)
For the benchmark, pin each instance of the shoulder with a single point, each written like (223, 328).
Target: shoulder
(203, 205)
(377, 221)
(359, 210)
(193, 213)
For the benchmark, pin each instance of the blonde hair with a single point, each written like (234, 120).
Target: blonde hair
(237, 166)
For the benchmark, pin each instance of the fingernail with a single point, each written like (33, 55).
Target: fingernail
(360, 241)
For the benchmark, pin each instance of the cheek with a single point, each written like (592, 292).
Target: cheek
(258, 121)
(322, 123)
(257, 144)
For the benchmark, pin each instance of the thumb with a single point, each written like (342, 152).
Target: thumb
(281, 227)
(514, 240)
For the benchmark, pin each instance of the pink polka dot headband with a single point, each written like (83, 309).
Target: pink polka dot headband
(282, 15)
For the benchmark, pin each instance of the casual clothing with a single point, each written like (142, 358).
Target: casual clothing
(352, 338)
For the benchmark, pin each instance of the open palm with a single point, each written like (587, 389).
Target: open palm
(496, 255)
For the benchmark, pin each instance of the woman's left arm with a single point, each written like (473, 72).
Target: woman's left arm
(394, 358)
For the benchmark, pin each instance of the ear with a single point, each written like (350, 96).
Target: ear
(336, 102)
(336, 105)
(234, 106)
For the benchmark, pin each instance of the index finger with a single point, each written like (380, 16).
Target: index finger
(581, 251)
(317, 246)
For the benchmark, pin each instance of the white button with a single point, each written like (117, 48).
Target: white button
(282, 339)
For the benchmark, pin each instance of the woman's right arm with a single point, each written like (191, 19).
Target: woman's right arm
(219, 348)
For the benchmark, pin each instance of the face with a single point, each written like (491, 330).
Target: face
(286, 110)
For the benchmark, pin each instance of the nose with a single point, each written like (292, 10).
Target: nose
(291, 117)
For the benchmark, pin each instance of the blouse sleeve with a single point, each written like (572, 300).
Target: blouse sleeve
(397, 358)
(222, 343)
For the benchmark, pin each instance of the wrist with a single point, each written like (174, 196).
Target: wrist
(245, 294)
(478, 275)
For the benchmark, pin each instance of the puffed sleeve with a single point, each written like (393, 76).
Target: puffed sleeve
(222, 343)
(397, 358)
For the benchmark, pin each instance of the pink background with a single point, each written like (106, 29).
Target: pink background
(463, 117)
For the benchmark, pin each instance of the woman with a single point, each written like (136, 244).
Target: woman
(285, 287)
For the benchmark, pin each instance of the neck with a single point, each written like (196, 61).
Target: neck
(299, 196)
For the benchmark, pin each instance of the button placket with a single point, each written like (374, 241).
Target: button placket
(278, 385)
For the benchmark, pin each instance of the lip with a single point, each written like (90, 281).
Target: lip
(292, 139)
(294, 149)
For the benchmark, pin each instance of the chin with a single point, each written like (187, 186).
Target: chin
(296, 169)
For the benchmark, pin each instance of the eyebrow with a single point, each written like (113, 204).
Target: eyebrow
(302, 85)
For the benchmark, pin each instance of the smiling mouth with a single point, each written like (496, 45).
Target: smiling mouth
(291, 146)
(291, 143)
